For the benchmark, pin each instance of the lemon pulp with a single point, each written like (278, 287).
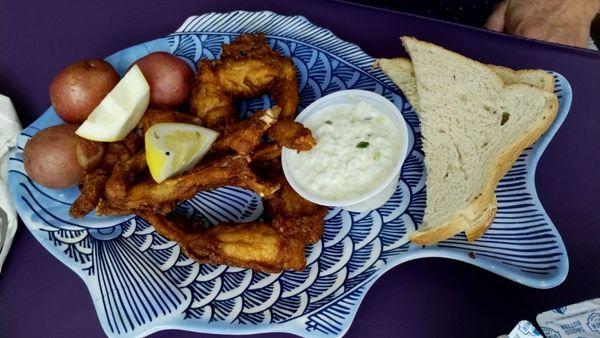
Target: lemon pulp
(172, 148)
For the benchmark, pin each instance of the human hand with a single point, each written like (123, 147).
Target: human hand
(560, 21)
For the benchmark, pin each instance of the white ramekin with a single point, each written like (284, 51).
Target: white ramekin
(379, 194)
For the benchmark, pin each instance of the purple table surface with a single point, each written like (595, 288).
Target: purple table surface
(423, 298)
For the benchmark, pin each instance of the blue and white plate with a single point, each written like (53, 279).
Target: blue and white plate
(140, 282)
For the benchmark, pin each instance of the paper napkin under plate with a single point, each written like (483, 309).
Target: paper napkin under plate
(10, 128)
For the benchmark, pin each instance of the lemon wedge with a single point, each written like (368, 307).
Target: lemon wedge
(172, 148)
(120, 111)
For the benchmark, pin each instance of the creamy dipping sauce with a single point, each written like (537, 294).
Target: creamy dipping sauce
(357, 148)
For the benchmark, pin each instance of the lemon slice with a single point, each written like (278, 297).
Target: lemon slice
(120, 111)
(172, 148)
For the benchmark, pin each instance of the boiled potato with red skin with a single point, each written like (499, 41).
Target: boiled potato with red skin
(52, 156)
(169, 77)
(78, 89)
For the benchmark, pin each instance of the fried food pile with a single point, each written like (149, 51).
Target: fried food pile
(240, 157)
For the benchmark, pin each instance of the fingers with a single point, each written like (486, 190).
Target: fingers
(496, 20)
(559, 21)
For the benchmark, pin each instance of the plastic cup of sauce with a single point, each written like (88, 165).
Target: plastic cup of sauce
(362, 141)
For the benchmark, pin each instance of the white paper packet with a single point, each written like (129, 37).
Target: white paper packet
(10, 128)
(580, 320)
(524, 329)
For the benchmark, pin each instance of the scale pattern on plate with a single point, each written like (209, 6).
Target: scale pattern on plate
(141, 282)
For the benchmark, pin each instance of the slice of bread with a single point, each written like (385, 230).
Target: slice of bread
(475, 121)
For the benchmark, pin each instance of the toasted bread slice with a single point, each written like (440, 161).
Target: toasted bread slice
(475, 121)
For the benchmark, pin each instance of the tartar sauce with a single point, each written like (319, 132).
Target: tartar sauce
(357, 147)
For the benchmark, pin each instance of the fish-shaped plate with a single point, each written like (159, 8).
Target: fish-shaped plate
(141, 283)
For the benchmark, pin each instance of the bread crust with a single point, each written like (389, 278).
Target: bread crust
(511, 76)
(484, 222)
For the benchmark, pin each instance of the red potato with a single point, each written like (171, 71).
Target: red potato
(78, 89)
(52, 157)
(169, 78)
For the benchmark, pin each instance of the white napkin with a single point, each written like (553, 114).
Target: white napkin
(10, 128)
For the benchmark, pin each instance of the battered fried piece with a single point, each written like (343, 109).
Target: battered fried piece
(122, 178)
(292, 135)
(122, 150)
(244, 136)
(208, 100)
(156, 115)
(289, 213)
(248, 45)
(261, 246)
(121, 191)
(294, 216)
(92, 188)
(286, 85)
(266, 152)
(92, 183)
(248, 68)
(104, 208)
(253, 245)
